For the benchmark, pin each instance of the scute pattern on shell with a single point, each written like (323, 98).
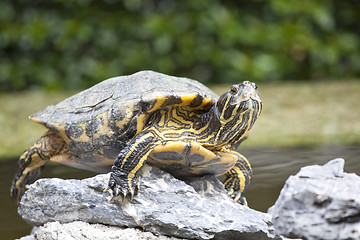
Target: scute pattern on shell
(99, 121)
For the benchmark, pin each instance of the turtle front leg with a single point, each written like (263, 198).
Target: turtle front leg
(123, 179)
(238, 178)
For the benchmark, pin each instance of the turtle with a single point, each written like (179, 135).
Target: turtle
(174, 123)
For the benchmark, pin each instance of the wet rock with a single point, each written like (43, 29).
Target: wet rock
(164, 206)
(320, 202)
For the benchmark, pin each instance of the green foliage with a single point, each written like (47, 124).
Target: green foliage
(74, 44)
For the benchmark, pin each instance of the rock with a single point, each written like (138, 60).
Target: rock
(320, 202)
(81, 230)
(164, 206)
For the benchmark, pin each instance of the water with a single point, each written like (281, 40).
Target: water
(272, 166)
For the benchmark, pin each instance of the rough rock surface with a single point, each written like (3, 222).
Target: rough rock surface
(164, 206)
(320, 202)
(81, 230)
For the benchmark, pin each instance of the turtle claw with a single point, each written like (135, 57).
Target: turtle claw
(116, 195)
(122, 187)
(237, 196)
(230, 192)
(106, 189)
(112, 199)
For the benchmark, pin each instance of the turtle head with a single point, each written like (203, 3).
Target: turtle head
(238, 110)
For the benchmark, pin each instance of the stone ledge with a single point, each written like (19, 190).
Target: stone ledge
(164, 206)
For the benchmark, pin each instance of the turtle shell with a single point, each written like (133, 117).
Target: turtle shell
(98, 122)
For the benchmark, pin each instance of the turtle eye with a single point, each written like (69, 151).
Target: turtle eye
(234, 89)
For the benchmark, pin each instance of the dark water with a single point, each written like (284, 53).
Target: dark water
(272, 166)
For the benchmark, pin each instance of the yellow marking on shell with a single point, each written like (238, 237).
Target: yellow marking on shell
(121, 124)
(60, 127)
(103, 130)
(129, 112)
(157, 105)
(186, 100)
(140, 122)
(61, 131)
(162, 121)
(36, 119)
(83, 137)
(205, 101)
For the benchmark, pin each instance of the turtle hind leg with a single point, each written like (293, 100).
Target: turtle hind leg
(238, 179)
(32, 161)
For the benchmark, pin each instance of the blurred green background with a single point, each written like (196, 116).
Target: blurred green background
(73, 44)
